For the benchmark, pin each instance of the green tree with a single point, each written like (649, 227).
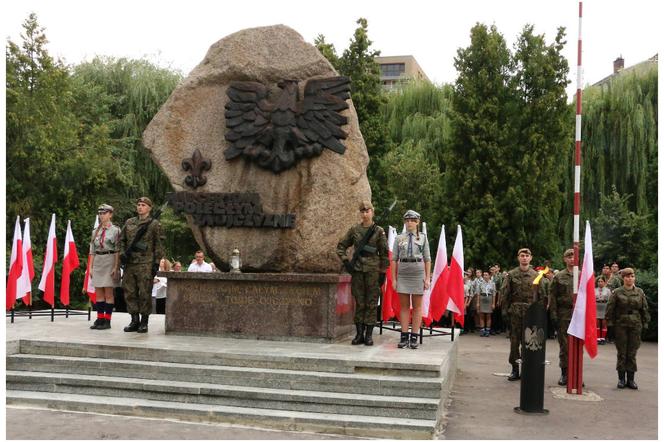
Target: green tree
(328, 50)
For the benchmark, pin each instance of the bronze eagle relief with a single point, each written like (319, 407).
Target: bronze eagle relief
(276, 130)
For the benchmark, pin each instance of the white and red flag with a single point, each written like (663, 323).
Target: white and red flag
(47, 282)
(69, 264)
(455, 301)
(390, 297)
(441, 274)
(88, 285)
(584, 318)
(426, 297)
(24, 289)
(15, 266)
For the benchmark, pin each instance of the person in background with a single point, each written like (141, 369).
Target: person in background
(486, 302)
(627, 313)
(561, 305)
(411, 275)
(159, 286)
(105, 266)
(606, 273)
(466, 302)
(602, 294)
(199, 264)
(497, 317)
(177, 266)
(615, 280)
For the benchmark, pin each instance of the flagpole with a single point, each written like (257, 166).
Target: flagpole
(575, 349)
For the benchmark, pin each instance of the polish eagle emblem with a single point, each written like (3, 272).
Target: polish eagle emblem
(534, 338)
(277, 129)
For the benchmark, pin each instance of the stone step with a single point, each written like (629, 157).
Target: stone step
(228, 395)
(278, 358)
(360, 383)
(344, 424)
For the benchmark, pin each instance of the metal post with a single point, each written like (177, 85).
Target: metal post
(52, 313)
(453, 324)
(12, 315)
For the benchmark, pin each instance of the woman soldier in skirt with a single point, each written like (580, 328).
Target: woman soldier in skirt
(104, 266)
(411, 275)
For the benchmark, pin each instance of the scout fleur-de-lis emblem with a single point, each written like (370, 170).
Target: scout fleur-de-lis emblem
(197, 165)
(534, 338)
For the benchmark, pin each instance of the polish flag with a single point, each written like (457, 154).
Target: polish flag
(441, 274)
(15, 266)
(47, 283)
(426, 297)
(25, 281)
(455, 301)
(390, 297)
(69, 264)
(584, 318)
(88, 285)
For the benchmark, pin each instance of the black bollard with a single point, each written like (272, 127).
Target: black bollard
(533, 360)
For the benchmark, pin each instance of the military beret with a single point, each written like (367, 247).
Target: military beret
(568, 252)
(364, 205)
(411, 214)
(524, 250)
(627, 271)
(105, 208)
(145, 200)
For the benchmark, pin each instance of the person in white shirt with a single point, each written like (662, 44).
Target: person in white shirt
(199, 264)
(159, 285)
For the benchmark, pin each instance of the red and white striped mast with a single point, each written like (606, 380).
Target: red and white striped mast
(575, 346)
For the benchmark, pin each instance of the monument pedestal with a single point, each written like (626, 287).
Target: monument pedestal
(283, 306)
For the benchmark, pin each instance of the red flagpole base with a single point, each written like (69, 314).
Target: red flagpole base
(575, 365)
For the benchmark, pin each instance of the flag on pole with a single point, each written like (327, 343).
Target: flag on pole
(24, 289)
(47, 282)
(70, 263)
(584, 318)
(441, 274)
(88, 285)
(426, 296)
(390, 296)
(15, 266)
(455, 301)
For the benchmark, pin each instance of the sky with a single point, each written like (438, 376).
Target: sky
(178, 34)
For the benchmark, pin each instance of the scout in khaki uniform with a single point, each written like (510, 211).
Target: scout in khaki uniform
(517, 296)
(561, 305)
(367, 272)
(627, 313)
(142, 262)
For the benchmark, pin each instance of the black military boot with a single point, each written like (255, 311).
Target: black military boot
(105, 324)
(414, 341)
(143, 326)
(133, 325)
(368, 340)
(621, 379)
(96, 324)
(630, 381)
(404, 340)
(514, 376)
(359, 337)
(563, 377)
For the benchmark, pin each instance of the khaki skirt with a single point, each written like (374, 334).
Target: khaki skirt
(485, 303)
(101, 271)
(410, 277)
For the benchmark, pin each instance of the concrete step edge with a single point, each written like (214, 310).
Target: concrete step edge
(221, 390)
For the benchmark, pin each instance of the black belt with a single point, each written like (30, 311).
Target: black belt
(410, 260)
(105, 253)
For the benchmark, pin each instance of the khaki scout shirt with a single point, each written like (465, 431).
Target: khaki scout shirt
(420, 248)
(149, 249)
(366, 262)
(561, 296)
(518, 287)
(111, 235)
(627, 308)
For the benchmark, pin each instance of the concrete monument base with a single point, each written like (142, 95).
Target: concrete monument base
(302, 307)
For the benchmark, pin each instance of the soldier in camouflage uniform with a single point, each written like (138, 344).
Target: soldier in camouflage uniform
(367, 272)
(561, 305)
(517, 292)
(142, 264)
(615, 280)
(627, 313)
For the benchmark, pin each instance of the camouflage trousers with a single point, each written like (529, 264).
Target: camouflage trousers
(137, 286)
(563, 325)
(517, 313)
(628, 341)
(365, 290)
